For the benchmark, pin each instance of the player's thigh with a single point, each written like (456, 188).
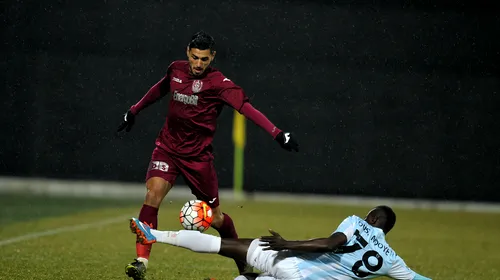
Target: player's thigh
(280, 265)
(201, 177)
(162, 173)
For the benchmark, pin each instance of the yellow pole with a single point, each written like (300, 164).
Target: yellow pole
(239, 137)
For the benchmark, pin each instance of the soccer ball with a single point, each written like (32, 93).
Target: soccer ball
(196, 215)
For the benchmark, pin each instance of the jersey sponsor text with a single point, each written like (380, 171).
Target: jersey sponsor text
(186, 99)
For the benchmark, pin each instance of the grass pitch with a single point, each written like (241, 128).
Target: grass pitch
(440, 245)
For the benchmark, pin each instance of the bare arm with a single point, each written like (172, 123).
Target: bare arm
(317, 245)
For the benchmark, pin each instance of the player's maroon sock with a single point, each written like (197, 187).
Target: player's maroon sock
(227, 230)
(148, 215)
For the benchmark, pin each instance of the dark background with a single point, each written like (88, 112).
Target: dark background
(386, 98)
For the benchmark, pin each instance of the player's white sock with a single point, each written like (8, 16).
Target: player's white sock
(241, 277)
(144, 261)
(189, 239)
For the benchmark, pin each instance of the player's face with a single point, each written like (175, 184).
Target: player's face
(370, 218)
(199, 60)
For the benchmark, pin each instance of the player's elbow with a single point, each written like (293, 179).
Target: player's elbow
(325, 245)
(331, 246)
(335, 241)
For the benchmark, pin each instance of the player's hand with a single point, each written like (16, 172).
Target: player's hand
(274, 242)
(128, 122)
(287, 141)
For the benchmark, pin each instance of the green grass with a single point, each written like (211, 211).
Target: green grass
(441, 245)
(18, 208)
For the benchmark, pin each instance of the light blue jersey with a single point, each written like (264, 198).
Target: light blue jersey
(366, 255)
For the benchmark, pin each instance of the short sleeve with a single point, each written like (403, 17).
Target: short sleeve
(232, 94)
(399, 270)
(347, 227)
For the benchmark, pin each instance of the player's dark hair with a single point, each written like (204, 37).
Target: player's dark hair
(203, 41)
(390, 217)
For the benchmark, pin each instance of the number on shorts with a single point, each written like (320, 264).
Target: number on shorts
(158, 165)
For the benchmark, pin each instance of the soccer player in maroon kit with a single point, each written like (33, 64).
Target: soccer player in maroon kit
(184, 144)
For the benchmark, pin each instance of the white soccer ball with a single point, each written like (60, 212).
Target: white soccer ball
(196, 215)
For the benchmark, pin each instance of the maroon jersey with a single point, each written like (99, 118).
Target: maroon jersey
(195, 103)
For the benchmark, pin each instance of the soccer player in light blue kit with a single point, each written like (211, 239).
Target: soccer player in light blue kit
(356, 250)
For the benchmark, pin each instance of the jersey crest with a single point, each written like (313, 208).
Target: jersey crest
(197, 85)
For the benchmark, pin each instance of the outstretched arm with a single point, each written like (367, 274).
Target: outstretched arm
(234, 96)
(155, 93)
(285, 139)
(318, 245)
(259, 119)
(159, 90)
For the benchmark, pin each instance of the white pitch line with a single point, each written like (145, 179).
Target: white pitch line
(39, 234)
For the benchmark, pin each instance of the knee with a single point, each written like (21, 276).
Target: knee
(156, 191)
(154, 197)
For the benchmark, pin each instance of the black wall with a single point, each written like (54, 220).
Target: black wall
(389, 99)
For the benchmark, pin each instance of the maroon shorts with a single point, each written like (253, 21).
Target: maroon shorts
(200, 176)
